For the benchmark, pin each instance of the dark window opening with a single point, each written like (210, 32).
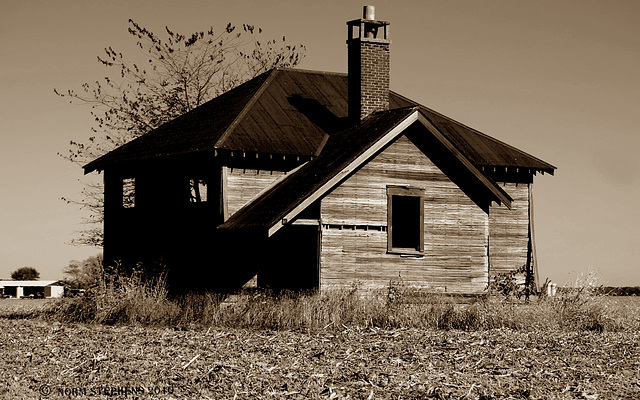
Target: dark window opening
(405, 220)
(128, 192)
(198, 191)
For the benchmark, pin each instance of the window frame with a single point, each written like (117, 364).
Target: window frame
(405, 191)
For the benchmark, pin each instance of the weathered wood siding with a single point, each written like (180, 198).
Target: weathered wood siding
(509, 231)
(354, 229)
(243, 185)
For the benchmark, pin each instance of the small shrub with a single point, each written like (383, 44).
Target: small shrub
(119, 299)
(507, 285)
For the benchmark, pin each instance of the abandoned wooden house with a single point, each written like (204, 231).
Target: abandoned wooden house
(316, 180)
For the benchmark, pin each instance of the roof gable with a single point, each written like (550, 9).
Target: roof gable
(339, 157)
(343, 154)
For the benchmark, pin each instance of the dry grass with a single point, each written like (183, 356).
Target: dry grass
(130, 300)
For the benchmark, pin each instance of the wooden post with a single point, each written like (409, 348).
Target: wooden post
(532, 241)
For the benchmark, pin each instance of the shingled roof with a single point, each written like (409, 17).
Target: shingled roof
(293, 112)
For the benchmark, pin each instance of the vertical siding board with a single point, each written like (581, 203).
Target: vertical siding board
(455, 229)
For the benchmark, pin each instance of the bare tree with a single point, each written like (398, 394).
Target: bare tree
(173, 76)
(84, 274)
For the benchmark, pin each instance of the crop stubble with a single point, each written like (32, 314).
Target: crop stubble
(340, 363)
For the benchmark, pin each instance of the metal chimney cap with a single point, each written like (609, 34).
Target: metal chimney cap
(369, 13)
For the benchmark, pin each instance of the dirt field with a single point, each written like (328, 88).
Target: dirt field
(22, 305)
(55, 361)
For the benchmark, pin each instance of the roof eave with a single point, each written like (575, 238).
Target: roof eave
(99, 163)
(519, 169)
(92, 166)
(499, 194)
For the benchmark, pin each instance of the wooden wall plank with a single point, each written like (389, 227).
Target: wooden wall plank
(243, 185)
(509, 231)
(455, 229)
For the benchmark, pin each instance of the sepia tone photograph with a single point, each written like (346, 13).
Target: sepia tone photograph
(320, 199)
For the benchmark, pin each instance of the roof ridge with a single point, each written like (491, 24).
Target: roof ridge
(414, 107)
(310, 71)
(272, 73)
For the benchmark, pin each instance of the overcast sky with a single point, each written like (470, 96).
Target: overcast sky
(558, 79)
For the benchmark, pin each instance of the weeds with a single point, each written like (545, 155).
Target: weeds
(582, 306)
(506, 284)
(119, 298)
(132, 300)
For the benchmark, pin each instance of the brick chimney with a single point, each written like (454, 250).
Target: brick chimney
(368, 65)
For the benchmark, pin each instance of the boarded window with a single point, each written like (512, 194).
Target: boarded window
(198, 189)
(405, 220)
(128, 193)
